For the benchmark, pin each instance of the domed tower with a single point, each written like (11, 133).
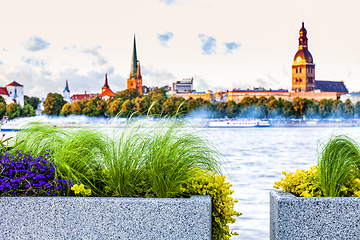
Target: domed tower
(303, 68)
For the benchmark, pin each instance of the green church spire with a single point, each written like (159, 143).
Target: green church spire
(134, 62)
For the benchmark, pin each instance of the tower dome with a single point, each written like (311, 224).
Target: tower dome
(303, 55)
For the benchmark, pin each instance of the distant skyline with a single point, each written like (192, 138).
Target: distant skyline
(222, 44)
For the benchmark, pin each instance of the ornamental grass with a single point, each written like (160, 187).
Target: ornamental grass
(121, 162)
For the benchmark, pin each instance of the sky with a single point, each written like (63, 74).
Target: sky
(223, 44)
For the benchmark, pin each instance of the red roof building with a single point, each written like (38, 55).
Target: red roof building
(14, 84)
(106, 92)
(3, 91)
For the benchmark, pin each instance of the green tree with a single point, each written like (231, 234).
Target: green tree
(192, 104)
(324, 108)
(33, 101)
(127, 94)
(231, 109)
(349, 109)
(180, 106)
(2, 109)
(357, 109)
(311, 108)
(53, 104)
(220, 109)
(13, 110)
(299, 106)
(126, 108)
(95, 107)
(155, 109)
(168, 107)
(287, 109)
(274, 109)
(337, 108)
(141, 105)
(27, 111)
(2, 99)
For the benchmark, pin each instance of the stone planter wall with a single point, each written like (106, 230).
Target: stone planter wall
(313, 218)
(105, 218)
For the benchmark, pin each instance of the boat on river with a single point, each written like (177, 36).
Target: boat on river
(239, 123)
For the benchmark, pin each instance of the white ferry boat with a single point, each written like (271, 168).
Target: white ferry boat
(239, 123)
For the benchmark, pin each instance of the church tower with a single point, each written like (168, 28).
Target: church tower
(106, 92)
(135, 80)
(303, 68)
(66, 93)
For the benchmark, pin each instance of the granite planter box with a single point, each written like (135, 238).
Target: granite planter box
(314, 217)
(105, 218)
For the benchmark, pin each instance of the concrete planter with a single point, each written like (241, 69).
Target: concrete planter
(105, 218)
(313, 218)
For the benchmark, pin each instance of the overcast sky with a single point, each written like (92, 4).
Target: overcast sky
(222, 44)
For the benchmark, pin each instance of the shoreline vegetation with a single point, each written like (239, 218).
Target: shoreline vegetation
(156, 103)
(130, 103)
(162, 160)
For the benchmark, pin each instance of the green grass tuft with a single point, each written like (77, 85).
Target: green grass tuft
(337, 160)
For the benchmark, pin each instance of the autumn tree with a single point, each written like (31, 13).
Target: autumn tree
(65, 110)
(53, 104)
(299, 106)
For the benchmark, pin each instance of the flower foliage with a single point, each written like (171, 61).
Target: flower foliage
(23, 175)
(223, 213)
(304, 183)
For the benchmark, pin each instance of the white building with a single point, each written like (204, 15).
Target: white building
(354, 97)
(183, 86)
(13, 93)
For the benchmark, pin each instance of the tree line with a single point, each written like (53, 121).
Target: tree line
(14, 110)
(130, 103)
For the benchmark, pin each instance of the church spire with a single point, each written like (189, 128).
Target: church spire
(106, 81)
(303, 40)
(67, 86)
(134, 61)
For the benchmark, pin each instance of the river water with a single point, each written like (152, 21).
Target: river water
(257, 157)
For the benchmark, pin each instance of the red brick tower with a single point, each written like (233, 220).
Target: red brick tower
(135, 80)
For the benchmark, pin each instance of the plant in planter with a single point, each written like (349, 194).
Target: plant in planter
(163, 160)
(321, 201)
